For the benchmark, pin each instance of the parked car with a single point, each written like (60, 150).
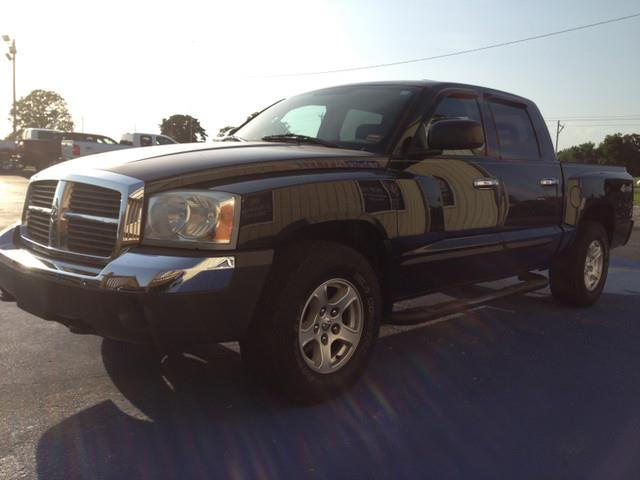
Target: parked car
(298, 234)
(7, 150)
(39, 147)
(86, 144)
(90, 144)
(145, 139)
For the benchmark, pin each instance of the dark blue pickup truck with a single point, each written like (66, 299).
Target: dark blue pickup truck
(297, 233)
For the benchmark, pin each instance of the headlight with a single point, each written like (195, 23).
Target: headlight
(192, 217)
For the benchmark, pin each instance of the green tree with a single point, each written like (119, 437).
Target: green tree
(583, 153)
(224, 131)
(183, 129)
(42, 109)
(230, 129)
(623, 150)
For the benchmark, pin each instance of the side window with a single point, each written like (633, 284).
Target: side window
(145, 140)
(163, 141)
(361, 126)
(516, 134)
(304, 120)
(449, 108)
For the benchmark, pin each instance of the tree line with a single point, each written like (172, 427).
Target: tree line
(618, 149)
(47, 109)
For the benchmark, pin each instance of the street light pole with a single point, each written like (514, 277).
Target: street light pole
(12, 58)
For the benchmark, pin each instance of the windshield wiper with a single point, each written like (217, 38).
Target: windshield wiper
(232, 138)
(294, 137)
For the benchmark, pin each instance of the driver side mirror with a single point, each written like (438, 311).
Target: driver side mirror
(455, 134)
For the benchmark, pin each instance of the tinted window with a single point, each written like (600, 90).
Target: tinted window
(107, 140)
(303, 120)
(516, 134)
(357, 125)
(357, 117)
(45, 135)
(145, 140)
(454, 108)
(163, 141)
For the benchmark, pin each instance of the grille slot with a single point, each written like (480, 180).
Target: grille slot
(41, 193)
(93, 200)
(91, 238)
(38, 226)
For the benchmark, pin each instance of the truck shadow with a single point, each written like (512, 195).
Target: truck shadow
(521, 389)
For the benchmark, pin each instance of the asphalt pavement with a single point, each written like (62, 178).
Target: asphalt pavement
(518, 389)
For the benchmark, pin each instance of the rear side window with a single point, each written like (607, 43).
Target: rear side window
(145, 141)
(516, 134)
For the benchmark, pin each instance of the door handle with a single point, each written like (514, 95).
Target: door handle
(485, 183)
(549, 182)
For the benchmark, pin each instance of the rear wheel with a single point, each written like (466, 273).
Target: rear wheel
(319, 319)
(578, 276)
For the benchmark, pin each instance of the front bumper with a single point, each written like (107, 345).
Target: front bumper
(141, 296)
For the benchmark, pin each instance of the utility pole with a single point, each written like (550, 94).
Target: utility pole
(559, 129)
(11, 56)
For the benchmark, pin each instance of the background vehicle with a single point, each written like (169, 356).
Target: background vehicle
(8, 149)
(90, 144)
(39, 147)
(145, 139)
(78, 145)
(297, 236)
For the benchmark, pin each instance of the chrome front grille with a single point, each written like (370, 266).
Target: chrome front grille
(81, 218)
(38, 226)
(90, 237)
(41, 193)
(93, 200)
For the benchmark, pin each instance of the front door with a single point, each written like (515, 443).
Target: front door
(465, 209)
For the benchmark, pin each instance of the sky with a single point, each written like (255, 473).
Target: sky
(123, 66)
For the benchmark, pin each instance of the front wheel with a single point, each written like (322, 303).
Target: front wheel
(316, 338)
(578, 276)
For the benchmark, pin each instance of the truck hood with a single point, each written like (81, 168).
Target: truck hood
(186, 164)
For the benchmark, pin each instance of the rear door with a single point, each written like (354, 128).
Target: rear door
(532, 182)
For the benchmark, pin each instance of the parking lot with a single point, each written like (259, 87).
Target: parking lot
(519, 388)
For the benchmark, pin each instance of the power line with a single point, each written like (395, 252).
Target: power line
(586, 118)
(604, 118)
(617, 125)
(459, 52)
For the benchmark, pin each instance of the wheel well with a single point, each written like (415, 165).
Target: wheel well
(603, 214)
(362, 236)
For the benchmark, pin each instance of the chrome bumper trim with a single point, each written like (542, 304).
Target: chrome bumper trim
(130, 272)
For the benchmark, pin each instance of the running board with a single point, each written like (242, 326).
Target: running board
(413, 316)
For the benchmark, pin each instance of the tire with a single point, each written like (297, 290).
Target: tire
(570, 284)
(296, 342)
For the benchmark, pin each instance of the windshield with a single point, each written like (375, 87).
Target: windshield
(357, 117)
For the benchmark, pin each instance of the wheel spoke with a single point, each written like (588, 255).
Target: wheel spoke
(348, 335)
(307, 336)
(324, 356)
(321, 294)
(347, 299)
